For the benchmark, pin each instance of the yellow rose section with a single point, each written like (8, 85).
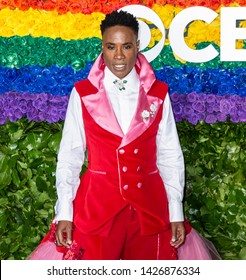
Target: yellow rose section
(41, 23)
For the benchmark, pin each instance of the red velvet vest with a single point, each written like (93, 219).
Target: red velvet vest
(118, 175)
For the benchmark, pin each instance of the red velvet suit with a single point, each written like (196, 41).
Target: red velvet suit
(122, 168)
(121, 207)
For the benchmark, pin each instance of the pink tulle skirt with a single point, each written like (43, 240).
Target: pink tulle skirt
(196, 247)
(46, 251)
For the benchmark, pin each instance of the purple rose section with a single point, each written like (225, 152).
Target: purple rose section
(192, 107)
(35, 107)
(210, 108)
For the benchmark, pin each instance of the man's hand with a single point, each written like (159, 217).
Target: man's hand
(64, 233)
(178, 234)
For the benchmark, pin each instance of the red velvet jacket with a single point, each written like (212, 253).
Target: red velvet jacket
(122, 168)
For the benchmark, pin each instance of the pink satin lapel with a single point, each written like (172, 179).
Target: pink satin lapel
(145, 71)
(138, 125)
(147, 78)
(96, 74)
(101, 111)
(98, 104)
(100, 108)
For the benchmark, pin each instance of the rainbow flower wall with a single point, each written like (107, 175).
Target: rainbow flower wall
(46, 46)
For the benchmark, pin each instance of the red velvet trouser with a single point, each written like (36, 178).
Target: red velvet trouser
(125, 242)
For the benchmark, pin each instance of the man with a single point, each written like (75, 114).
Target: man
(128, 204)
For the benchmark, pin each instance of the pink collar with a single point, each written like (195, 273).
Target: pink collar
(143, 68)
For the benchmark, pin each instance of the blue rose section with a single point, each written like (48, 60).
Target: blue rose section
(36, 79)
(192, 107)
(60, 80)
(209, 81)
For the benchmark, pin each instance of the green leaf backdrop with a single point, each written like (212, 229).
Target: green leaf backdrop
(215, 184)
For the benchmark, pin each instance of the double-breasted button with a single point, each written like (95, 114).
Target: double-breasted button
(121, 151)
(139, 185)
(124, 168)
(125, 187)
(135, 151)
(138, 168)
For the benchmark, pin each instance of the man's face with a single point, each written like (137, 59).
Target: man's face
(120, 47)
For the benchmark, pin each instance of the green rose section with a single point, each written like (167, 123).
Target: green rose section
(16, 52)
(22, 51)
